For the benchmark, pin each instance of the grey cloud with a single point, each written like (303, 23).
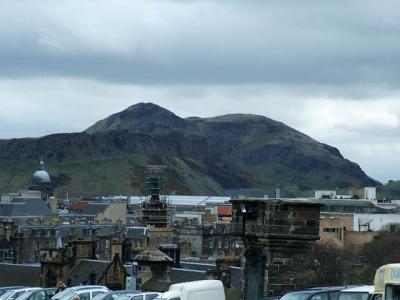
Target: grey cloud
(204, 42)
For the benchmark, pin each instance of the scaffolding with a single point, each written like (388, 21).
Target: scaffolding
(155, 210)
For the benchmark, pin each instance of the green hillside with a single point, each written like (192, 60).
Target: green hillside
(203, 156)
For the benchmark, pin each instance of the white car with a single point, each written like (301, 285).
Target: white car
(14, 294)
(85, 294)
(145, 296)
(77, 288)
(356, 293)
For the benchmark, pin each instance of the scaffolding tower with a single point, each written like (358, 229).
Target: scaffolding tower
(155, 210)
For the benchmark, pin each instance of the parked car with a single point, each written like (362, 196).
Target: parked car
(356, 293)
(145, 296)
(317, 293)
(202, 289)
(117, 295)
(5, 289)
(14, 294)
(76, 288)
(41, 294)
(85, 294)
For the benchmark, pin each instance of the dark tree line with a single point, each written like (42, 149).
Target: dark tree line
(327, 264)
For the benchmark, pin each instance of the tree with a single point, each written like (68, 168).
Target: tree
(325, 265)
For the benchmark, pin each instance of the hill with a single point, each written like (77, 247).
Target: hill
(203, 155)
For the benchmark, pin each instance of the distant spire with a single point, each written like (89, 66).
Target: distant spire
(41, 163)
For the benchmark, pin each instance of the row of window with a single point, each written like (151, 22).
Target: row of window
(226, 244)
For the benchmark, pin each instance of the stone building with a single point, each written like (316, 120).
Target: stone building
(102, 212)
(274, 234)
(218, 243)
(154, 270)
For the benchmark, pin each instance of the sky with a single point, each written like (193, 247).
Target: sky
(330, 69)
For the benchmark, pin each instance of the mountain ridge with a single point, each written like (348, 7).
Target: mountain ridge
(203, 155)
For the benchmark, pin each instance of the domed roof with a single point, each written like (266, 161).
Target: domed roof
(41, 175)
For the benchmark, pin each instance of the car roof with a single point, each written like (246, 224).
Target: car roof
(359, 289)
(314, 291)
(26, 289)
(78, 287)
(89, 290)
(146, 293)
(332, 287)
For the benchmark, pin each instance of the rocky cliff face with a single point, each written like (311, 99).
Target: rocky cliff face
(203, 155)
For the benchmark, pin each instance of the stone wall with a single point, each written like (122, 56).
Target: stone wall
(275, 235)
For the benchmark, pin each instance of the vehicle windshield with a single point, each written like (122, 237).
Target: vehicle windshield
(61, 294)
(99, 297)
(296, 296)
(37, 295)
(67, 295)
(353, 296)
(6, 295)
(3, 291)
(115, 296)
(25, 295)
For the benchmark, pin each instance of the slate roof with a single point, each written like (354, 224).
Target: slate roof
(136, 232)
(102, 230)
(178, 275)
(198, 266)
(94, 208)
(156, 285)
(24, 275)
(152, 256)
(80, 273)
(25, 207)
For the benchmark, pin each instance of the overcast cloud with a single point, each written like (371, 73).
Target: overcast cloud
(331, 69)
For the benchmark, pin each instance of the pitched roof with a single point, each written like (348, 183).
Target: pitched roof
(156, 285)
(184, 275)
(12, 274)
(95, 208)
(80, 273)
(152, 256)
(136, 232)
(21, 207)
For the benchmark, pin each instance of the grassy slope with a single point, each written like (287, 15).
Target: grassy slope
(390, 190)
(120, 175)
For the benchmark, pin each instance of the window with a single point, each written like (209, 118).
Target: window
(336, 232)
(226, 244)
(320, 296)
(151, 296)
(334, 295)
(392, 292)
(376, 297)
(96, 293)
(16, 295)
(137, 297)
(84, 296)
